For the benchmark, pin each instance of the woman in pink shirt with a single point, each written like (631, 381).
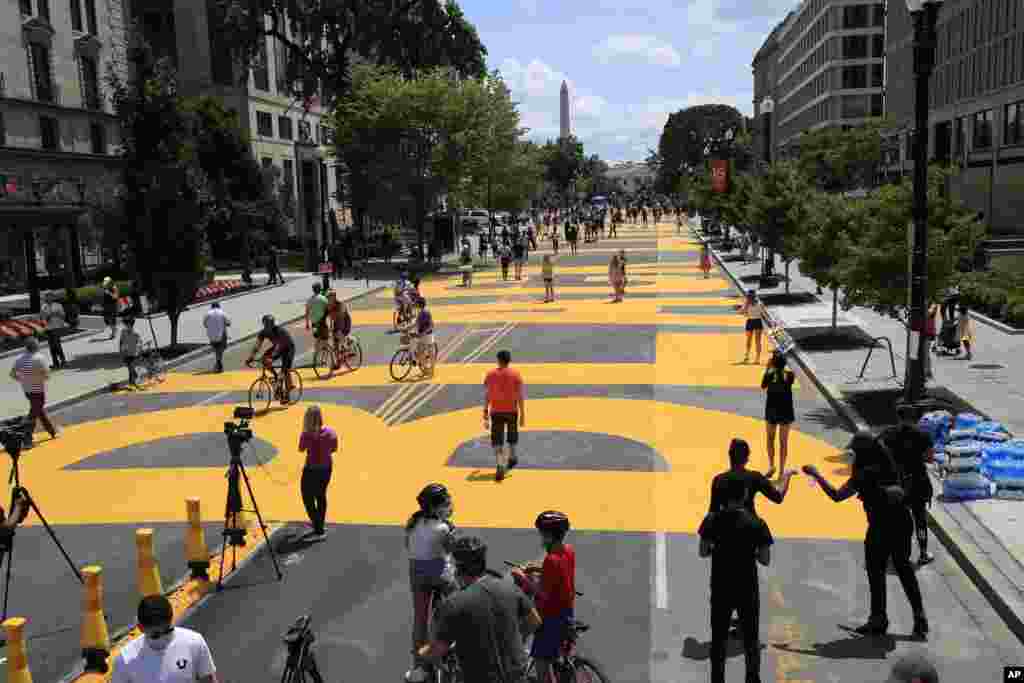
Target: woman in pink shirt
(319, 443)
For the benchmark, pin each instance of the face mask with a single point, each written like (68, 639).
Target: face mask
(445, 512)
(160, 642)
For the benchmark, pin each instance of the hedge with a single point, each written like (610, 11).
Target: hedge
(92, 295)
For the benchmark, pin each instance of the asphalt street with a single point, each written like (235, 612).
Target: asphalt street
(630, 409)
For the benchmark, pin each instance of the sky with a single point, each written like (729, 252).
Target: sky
(628, 63)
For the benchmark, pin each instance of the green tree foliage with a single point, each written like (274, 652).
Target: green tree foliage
(681, 145)
(323, 40)
(838, 160)
(874, 272)
(564, 163)
(778, 210)
(832, 229)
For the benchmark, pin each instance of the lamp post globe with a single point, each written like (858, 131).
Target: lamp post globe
(767, 105)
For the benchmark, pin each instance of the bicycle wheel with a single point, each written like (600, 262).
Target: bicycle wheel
(295, 395)
(401, 364)
(584, 670)
(430, 360)
(323, 363)
(261, 393)
(353, 354)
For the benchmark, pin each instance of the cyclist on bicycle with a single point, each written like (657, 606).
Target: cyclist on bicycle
(281, 346)
(341, 323)
(429, 535)
(422, 332)
(486, 620)
(556, 592)
(316, 314)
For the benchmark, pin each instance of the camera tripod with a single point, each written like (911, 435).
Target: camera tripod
(7, 540)
(234, 533)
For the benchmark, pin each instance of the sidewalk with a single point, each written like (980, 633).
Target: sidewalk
(94, 362)
(982, 535)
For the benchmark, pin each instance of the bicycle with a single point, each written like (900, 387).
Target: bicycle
(403, 315)
(301, 662)
(327, 359)
(445, 670)
(404, 359)
(149, 364)
(271, 385)
(569, 667)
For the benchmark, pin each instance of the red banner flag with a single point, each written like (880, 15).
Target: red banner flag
(720, 175)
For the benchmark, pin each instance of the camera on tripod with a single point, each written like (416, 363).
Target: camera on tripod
(240, 431)
(13, 438)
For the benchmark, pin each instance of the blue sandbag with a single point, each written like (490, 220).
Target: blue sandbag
(991, 426)
(967, 420)
(993, 437)
(964, 434)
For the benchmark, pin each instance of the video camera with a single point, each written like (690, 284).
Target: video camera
(240, 432)
(12, 438)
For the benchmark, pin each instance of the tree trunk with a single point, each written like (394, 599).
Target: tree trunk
(788, 263)
(173, 317)
(835, 306)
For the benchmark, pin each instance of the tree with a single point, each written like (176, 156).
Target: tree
(564, 163)
(874, 272)
(322, 41)
(841, 160)
(831, 232)
(778, 205)
(683, 138)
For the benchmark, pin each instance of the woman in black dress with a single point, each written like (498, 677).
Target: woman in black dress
(778, 408)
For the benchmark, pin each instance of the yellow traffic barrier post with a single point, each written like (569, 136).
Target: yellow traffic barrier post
(197, 554)
(17, 658)
(148, 572)
(95, 637)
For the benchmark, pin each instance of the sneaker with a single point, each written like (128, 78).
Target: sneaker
(872, 628)
(920, 627)
(416, 675)
(925, 558)
(512, 461)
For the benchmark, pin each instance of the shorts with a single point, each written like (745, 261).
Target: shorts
(499, 422)
(287, 358)
(548, 280)
(754, 324)
(426, 575)
(779, 414)
(548, 639)
(426, 340)
(320, 329)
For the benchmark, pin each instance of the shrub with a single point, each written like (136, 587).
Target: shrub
(92, 295)
(1015, 313)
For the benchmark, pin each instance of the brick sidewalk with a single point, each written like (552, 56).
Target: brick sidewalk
(982, 535)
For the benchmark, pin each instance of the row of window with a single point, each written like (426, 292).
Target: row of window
(994, 66)
(49, 135)
(43, 87)
(265, 128)
(856, 47)
(288, 175)
(41, 9)
(978, 24)
(982, 129)
(864, 46)
(857, 77)
(863, 16)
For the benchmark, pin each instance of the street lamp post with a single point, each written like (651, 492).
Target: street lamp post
(767, 257)
(925, 15)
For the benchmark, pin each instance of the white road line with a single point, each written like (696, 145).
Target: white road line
(660, 570)
(488, 344)
(214, 398)
(395, 398)
(409, 408)
(396, 401)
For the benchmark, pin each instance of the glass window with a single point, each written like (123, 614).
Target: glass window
(264, 124)
(90, 17)
(305, 134)
(856, 16)
(284, 127)
(44, 9)
(261, 70)
(26, 7)
(877, 105)
(1014, 134)
(878, 18)
(49, 133)
(856, 106)
(877, 75)
(267, 162)
(41, 79)
(855, 47)
(960, 136)
(3, 134)
(76, 15)
(98, 138)
(855, 77)
(982, 137)
(878, 45)
(289, 177)
(90, 78)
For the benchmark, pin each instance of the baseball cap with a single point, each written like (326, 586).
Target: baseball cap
(913, 667)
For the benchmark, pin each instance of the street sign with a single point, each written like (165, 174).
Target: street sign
(326, 268)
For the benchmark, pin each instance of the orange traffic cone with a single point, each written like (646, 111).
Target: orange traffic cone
(197, 554)
(148, 572)
(17, 659)
(95, 638)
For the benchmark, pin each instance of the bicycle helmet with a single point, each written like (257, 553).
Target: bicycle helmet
(433, 496)
(317, 287)
(470, 555)
(268, 321)
(552, 522)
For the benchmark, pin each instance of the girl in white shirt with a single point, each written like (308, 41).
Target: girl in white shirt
(429, 535)
(751, 308)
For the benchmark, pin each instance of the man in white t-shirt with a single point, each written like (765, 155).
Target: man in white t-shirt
(216, 323)
(164, 653)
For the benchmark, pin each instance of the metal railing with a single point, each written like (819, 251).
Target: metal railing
(874, 345)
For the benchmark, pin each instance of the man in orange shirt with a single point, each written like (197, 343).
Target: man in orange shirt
(504, 408)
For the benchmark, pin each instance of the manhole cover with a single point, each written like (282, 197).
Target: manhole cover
(986, 366)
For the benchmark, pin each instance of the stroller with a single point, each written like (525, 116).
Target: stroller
(948, 341)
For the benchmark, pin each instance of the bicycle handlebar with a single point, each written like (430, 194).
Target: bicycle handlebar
(517, 566)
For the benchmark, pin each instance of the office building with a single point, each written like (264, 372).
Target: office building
(977, 102)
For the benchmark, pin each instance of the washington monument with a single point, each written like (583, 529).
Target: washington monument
(565, 129)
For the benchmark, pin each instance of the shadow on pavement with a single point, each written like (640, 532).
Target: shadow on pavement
(700, 651)
(878, 408)
(858, 647)
(791, 299)
(826, 417)
(844, 339)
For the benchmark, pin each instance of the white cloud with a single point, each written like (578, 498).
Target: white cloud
(529, 7)
(535, 79)
(650, 49)
(588, 106)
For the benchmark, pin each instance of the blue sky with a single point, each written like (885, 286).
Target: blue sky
(629, 63)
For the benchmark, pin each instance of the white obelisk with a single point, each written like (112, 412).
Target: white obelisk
(565, 129)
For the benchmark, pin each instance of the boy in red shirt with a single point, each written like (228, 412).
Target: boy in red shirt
(555, 595)
(504, 408)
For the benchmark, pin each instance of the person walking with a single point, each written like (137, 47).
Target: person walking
(965, 331)
(779, 414)
(130, 345)
(55, 319)
(519, 255)
(615, 278)
(506, 257)
(164, 653)
(912, 448)
(111, 295)
(736, 540)
(705, 259)
(877, 480)
(548, 272)
(623, 276)
(319, 442)
(31, 371)
(216, 323)
(931, 331)
(753, 311)
(273, 270)
(504, 411)
(950, 302)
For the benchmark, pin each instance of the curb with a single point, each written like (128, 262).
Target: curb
(974, 561)
(182, 360)
(995, 324)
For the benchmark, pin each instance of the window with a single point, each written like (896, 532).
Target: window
(281, 67)
(3, 133)
(49, 133)
(261, 69)
(1013, 133)
(43, 7)
(90, 79)
(855, 106)
(960, 137)
(26, 7)
(878, 17)
(339, 183)
(325, 135)
(877, 105)
(39, 55)
(982, 138)
(98, 138)
(855, 47)
(878, 45)
(855, 77)
(289, 177)
(305, 134)
(877, 75)
(856, 16)
(264, 124)
(76, 15)
(284, 127)
(90, 17)
(267, 162)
